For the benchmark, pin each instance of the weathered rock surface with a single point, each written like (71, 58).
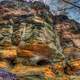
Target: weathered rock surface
(33, 41)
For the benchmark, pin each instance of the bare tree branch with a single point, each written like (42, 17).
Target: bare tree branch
(72, 3)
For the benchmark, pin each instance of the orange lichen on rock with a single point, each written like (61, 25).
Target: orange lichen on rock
(76, 64)
(49, 73)
(4, 64)
(20, 69)
(58, 66)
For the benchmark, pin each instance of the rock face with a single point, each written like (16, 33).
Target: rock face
(28, 24)
(69, 33)
(31, 39)
(69, 30)
(26, 34)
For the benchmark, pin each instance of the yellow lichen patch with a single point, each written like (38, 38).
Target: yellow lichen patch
(7, 53)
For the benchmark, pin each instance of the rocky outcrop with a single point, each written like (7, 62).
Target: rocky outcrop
(69, 33)
(32, 39)
(26, 35)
